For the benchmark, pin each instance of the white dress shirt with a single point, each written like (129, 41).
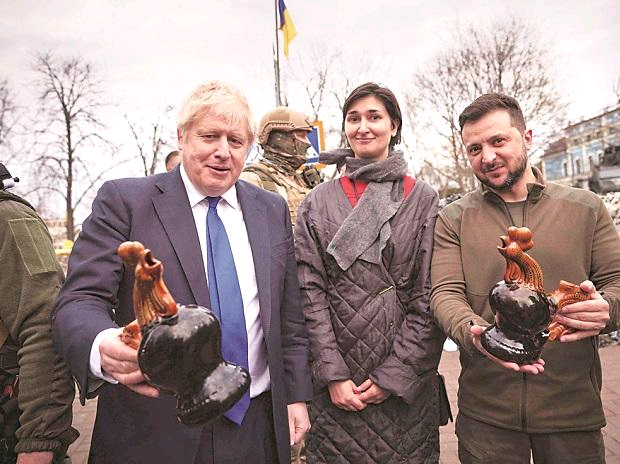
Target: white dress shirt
(229, 211)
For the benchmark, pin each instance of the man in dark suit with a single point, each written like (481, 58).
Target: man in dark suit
(168, 214)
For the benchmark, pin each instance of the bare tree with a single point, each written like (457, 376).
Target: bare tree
(325, 75)
(437, 110)
(508, 57)
(615, 86)
(68, 130)
(352, 71)
(8, 112)
(312, 73)
(151, 137)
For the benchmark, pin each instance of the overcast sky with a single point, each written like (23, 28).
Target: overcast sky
(152, 52)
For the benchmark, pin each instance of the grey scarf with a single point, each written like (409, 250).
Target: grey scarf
(366, 230)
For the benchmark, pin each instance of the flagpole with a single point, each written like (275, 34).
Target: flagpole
(276, 63)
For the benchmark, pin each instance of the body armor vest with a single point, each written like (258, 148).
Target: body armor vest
(292, 187)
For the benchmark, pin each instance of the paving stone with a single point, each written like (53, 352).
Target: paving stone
(450, 368)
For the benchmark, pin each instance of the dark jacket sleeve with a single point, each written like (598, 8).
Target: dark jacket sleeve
(327, 362)
(86, 301)
(605, 267)
(449, 302)
(31, 277)
(417, 347)
(294, 333)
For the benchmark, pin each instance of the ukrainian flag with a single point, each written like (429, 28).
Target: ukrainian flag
(286, 26)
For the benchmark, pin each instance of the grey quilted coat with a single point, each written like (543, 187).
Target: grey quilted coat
(371, 321)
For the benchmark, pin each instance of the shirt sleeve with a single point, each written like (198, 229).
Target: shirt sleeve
(449, 303)
(30, 281)
(95, 359)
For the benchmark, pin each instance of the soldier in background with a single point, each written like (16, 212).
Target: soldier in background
(35, 419)
(283, 135)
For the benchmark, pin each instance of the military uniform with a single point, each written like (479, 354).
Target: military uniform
(29, 284)
(292, 186)
(283, 136)
(283, 156)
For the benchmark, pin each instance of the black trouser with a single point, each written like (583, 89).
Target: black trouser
(481, 443)
(252, 442)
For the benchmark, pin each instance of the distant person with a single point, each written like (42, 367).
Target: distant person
(550, 409)
(172, 160)
(35, 412)
(283, 135)
(364, 244)
(188, 216)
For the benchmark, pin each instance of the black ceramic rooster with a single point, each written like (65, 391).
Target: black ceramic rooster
(523, 312)
(179, 346)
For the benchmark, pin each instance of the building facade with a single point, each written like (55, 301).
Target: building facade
(577, 156)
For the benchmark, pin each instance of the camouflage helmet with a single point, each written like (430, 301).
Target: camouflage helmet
(284, 119)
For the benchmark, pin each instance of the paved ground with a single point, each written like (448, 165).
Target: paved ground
(449, 367)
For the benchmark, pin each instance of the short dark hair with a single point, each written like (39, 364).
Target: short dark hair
(171, 155)
(388, 99)
(490, 102)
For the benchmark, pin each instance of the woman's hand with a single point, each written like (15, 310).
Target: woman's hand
(371, 393)
(343, 395)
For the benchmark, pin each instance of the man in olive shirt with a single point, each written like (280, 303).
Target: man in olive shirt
(29, 282)
(550, 409)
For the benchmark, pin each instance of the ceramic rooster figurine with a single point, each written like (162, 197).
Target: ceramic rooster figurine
(523, 312)
(179, 347)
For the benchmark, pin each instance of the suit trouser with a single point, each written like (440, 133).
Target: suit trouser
(252, 442)
(481, 443)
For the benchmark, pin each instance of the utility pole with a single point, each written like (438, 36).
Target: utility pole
(276, 63)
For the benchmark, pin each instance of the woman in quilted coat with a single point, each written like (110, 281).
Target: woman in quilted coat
(364, 244)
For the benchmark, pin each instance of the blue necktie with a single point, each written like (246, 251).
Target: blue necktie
(226, 302)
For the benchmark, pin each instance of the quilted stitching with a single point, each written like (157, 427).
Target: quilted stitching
(343, 437)
(366, 314)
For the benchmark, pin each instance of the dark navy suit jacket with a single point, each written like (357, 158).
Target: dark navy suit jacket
(98, 295)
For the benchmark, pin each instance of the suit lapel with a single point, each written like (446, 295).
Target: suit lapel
(255, 217)
(172, 208)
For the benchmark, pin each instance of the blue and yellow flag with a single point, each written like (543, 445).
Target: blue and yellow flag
(286, 26)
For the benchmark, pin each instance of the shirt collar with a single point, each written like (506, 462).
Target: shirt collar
(534, 189)
(195, 196)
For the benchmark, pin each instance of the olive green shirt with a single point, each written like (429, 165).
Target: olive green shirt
(574, 240)
(29, 283)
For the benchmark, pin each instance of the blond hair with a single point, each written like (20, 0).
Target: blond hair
(219, 99)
